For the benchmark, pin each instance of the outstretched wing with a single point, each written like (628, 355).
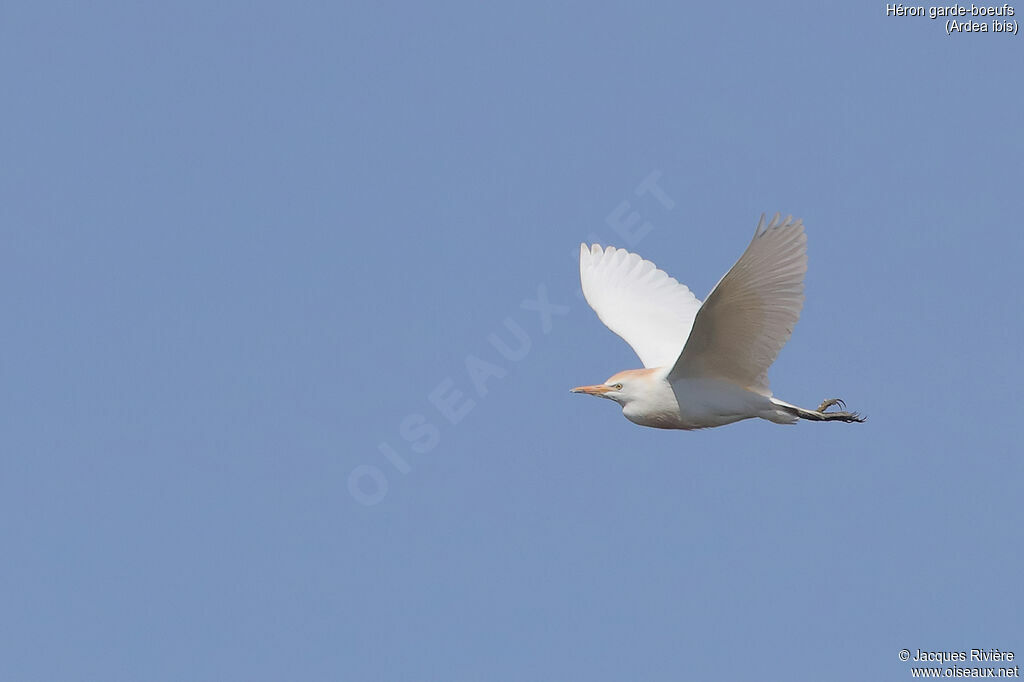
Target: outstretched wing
(750, 314)
(651, 311)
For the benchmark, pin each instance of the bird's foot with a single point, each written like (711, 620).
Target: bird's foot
(847, 417)
(825, 404)
(838, 415)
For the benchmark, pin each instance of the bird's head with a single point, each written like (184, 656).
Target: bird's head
(623, 387)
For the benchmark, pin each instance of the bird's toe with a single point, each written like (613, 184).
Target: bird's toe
(825, 404)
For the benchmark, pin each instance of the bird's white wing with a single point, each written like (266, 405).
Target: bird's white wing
(651, 311)
(751, 312)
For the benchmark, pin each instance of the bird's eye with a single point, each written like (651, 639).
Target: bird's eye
(617, 387)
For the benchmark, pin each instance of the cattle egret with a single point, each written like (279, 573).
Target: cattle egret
(704, 364)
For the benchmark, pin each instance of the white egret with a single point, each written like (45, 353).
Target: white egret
(704, 364)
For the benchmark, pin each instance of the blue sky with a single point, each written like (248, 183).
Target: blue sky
(243, 244)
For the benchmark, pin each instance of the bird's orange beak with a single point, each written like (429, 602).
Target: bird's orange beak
(592, 390)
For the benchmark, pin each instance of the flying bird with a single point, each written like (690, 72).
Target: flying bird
(705, 364)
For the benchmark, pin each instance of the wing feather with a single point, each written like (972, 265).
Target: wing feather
(651, 311)
(750, 314)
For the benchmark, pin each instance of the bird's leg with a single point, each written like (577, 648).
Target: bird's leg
(825, 404)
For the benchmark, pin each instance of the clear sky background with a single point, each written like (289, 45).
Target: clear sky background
(243, 244)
